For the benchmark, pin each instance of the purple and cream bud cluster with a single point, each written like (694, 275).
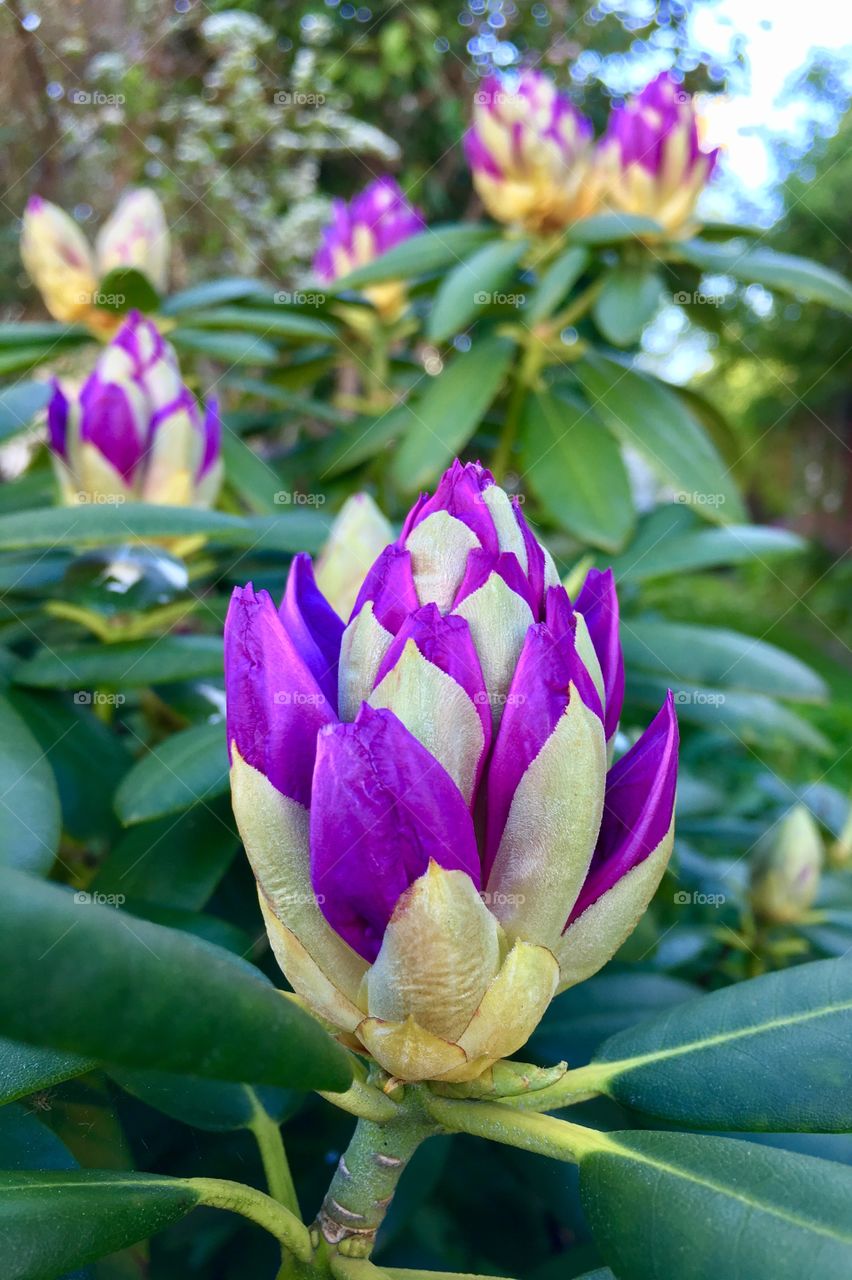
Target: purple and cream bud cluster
(423, 789)
(376, 220)
(535, 163)
(135, 431)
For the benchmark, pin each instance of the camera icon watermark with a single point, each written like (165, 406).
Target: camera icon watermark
(297, 698)
(696, 499)
(485, 298)
(85, 899)
(297, 298)
(695, 298)
(96, 698)
(298, 98)
(95, 98)
(288, 498)
(85, 498)
(698, 698)
(502, 899)
(683, 898)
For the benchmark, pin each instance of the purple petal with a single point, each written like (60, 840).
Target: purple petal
(382, 209)
(537, 698)
(459, 494)
(212, 437)
(57, 419)
(275, 708)
(535, 562)
(109, 423)
(382, 808)
(312, 625)
(638, 807)
(390, 586)
(446, 642)
(479, 567)
(478, 156)
(598, 603)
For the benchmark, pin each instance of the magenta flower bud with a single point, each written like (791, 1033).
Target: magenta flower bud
(650, 156)
(373, 222)
(134, 430)
(424, 793)
(529, 150)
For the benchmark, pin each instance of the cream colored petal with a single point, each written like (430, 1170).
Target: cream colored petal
(274, 830)
(440, 952)
(499, 620)
(359, 533)
(551, 573)
(206, 490)
(596, 935)
(436, 709)
(365, 642)
(509, 536)
(172, 461)
(98, 479)
(513, 1005)
(407, 1051)
(439, 548)
(551, 830)
(305, 975)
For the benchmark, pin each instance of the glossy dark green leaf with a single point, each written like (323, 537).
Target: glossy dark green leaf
(612, 228)
(28, 333)
(705, 549)
(214, 1105)
(130, 663)
(574, 467)
(187, 767)
(178, 860)
(283, 322)
(14, 359)
(679, 1204)
(629, 300)
(19, 405)
(471, 286)
(126, 289)
(231, 347)
(644, 413)
(445, 416)
(776, 1048)
(51, 1222)
(250, 475)
(443, 245)
(211, 294)
(91, 980)
(560, 276)
(782, 271)
(27, 1143)
(25, 1069)
(29, 801)
(717, 657)
(363, 439)
(297, 530)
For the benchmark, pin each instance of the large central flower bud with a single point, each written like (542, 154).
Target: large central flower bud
(424, 794)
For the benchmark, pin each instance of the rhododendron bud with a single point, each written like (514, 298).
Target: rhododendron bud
(423, 792)
(59, 261)
(359, 532)
(135, 431)
(376, 220)
(136, 235)
(530, 152)
(650, 156)
(786, 869)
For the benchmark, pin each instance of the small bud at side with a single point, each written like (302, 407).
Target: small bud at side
(786, 870)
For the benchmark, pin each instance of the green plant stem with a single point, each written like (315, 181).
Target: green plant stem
(364, 1101)
(367, 1177)
(578, 307)
(575, 1086)
(259, 1208)
(503, 453)
(543, 1135)
(279, 1180)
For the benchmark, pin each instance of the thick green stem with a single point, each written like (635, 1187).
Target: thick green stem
(502, 458)
(259, 1208)
(543, 1135)
(367, 1177)
(364, 1101)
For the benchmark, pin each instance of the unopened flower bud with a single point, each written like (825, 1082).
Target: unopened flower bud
(786, 869)
(357, 536)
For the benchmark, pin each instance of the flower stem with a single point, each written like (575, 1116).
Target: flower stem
(543, 1135)
(364, 1101)
(257, 1207)
(367, 1176)
(279, 1180)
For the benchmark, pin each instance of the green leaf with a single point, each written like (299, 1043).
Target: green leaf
(782, 271)
(26, 1143)
(131, 663)
(560, 276)
(231, 347)
(442, 421)
(643, 412)
(686, 551)
(282, 322)
(29, 333)
(91, 980)
(678, 1204)
(211, 294)
(25, 1069)
(431, 250)
(107, 526)
(187, 767)
(30, 816)
(470, 286)
(752, 717)
(612, 228)
(178, 861)
(628, 301)
(52, 1222)
(250, 475)
(720, 658)
(776, 1049)
(364, 438)
(19, 405)
(214, 1105)
(574, 467)
(126, 289)
(15, 358)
